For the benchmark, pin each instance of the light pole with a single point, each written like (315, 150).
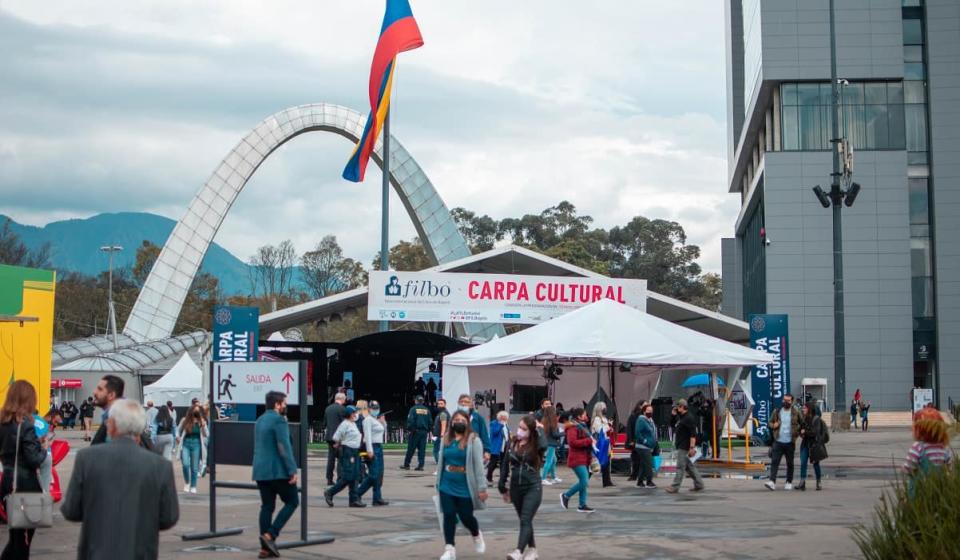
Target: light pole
(836, 196)
(112, 317)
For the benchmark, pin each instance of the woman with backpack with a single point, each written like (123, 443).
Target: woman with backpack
(813, 444)
(165, 428)
(521, 462)
(603, 432)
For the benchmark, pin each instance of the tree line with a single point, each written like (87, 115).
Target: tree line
(279, 276)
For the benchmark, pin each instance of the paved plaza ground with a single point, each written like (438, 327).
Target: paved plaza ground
(735, 518)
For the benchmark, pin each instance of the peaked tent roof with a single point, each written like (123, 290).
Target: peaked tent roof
(613, 331)
(182, 376)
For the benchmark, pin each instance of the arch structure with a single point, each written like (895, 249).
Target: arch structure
(161, 298)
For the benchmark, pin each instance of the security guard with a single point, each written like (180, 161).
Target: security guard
(419, 422)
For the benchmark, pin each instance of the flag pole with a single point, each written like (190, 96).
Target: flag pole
(385, 207)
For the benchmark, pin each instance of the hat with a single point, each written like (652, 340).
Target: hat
(682, 402)
(418, 399)
(351, 410)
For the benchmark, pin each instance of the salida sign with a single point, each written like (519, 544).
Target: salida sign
(249, 382)
(769, 382)
(490, 298)
(235, 332)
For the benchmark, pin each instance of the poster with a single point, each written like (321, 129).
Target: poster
(26, 329)
(236, 332)
(249, 382)
(769, 382)
(467, 297)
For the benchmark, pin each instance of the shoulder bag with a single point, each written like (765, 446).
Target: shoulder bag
(27, 510)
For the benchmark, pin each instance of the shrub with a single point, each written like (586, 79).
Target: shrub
(916, 518)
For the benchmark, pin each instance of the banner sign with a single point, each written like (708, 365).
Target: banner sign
(769, 382)
(236, 332)
(467, 297)
(739, 404)
(921, 398)
(249, 382)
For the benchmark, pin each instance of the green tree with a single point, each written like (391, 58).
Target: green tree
(326, 271)
(147, 254)
(14, 252)
(480, 232)
(545, 230)
(657, 251)
(406, 255)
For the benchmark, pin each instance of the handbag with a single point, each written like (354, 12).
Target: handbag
(27, 510)
(594, 465)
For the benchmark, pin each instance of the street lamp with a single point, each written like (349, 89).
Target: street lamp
(842, 171)
(112, 318)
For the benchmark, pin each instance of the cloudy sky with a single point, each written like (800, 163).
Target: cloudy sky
(510, 107)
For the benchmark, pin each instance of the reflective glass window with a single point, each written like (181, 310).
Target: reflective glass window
(921, 262)
(919, 202)
(875, 127)
(894, 92)
(912, 32)
(791, 137)
(810, 137)
(922, 296)
(895, 125)
(913, 92)
(913, 71)
(913, 53)
(875, 93)
(915, 119)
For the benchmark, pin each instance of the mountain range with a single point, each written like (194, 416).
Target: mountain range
(75, 245)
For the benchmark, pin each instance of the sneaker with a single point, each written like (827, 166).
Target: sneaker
(672, 489)
(530, 554)
(586, 509)
(788, 486)
(651, 485)
(819, 486)
(802, 485)
(546, 482)
(186, 488)
(404, 467)
(771, 485)
(449, 553)
(478, 543)
(418, 469)
(328, 497)
(193, 489)
(564, 501)
(515, 555)
(698, 489)
(358, 504)
(557, 480)
(380, 503)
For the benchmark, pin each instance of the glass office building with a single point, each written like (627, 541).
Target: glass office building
(898, 65)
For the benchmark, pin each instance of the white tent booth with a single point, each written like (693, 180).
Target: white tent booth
(180, 385)
(622, 349)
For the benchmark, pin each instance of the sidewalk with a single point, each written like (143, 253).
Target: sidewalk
(735, 517)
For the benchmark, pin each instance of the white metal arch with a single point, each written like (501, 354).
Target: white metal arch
(158, 305)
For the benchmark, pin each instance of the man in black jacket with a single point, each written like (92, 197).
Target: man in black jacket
(110, 389)
(685, 442)
(332, 416)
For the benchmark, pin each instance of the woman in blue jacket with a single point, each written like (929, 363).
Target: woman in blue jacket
(645, 432)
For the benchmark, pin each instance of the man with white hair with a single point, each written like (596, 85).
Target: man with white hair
(123, 494)
(333, 416)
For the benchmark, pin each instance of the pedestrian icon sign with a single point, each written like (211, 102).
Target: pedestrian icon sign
(249, 382)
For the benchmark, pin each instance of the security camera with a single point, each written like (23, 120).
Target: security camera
(843, 82)
(766, 241)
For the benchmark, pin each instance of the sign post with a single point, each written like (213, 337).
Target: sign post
(769, 382)
(248, 383)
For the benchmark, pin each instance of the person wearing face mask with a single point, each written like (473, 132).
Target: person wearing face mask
(374, 428)
(645, 441)
(461, 484)
(477, 424)
(274, 470)
(347, 438)
(192, 434)
(581, 445)
(785, 425)
(521, 463)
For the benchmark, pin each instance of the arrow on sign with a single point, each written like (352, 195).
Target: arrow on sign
(288, 378)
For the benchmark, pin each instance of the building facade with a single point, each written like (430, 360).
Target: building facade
(898, 62)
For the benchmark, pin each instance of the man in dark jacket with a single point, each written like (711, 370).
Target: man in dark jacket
(274, 470)
(332, 416)
(124, 495)
(685, 443)
(110, 389)
(419, 422)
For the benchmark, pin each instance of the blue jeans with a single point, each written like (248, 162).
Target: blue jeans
(583, 479)
(269, 490)
(374, 477)
(190, 457)
(804, 455)
(549, 464)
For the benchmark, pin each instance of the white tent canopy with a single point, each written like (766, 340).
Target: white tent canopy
(180, 385)
(605, 331)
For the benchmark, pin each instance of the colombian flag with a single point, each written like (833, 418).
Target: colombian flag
(399, 33)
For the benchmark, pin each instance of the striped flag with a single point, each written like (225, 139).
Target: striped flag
(399, 33)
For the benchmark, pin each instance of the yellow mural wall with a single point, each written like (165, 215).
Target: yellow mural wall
(26, 329)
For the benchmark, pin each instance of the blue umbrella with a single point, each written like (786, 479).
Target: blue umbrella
(700, 380)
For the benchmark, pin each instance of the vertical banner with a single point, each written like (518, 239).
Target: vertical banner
(236, 338)
(236, 332)
(769, 382)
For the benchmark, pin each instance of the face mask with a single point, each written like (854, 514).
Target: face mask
(649, 415)
(374, 413)
(464, 408)
(459, 428)
(522, 433)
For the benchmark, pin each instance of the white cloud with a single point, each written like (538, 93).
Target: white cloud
(510, 107)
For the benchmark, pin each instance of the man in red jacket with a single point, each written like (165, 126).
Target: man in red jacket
(581, 451)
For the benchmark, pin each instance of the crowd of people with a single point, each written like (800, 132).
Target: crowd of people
(128, 464)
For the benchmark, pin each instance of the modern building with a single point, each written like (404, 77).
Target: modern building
(899, 69)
